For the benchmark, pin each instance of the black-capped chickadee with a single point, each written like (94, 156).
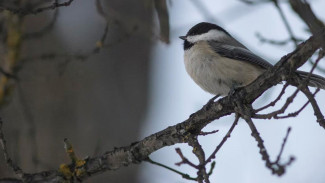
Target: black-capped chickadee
(218, 63)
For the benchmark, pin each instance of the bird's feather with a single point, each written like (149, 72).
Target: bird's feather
(238, 53)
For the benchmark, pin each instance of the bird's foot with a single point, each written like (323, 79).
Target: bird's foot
(233, 90)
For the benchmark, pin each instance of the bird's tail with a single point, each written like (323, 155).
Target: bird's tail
(314, 81)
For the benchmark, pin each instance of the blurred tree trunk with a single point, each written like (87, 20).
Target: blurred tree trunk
(98, 103)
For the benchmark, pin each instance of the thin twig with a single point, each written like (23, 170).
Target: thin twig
(184, 159)
(184, 175)
(208, 133)
(313, 102)
(199, 153)
(213, 164)
(213, 155)
(283, 144)
(294, 114)
(70, 151)
(252, 2)
(281, 110)
(275, 167)
(25, 11)
(274, 101)
(275, 42)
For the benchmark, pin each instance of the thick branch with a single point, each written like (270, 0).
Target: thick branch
(316, 26)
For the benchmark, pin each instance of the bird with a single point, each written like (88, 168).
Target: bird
(220, 64)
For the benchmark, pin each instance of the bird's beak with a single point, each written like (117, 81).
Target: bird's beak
(182, 37)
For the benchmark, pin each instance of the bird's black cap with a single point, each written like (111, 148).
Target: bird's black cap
(204, 27)
(198, 29)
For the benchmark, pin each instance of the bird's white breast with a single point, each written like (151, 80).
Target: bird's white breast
(216, 74)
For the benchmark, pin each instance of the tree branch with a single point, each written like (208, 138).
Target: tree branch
(27, 11)
(304, 11)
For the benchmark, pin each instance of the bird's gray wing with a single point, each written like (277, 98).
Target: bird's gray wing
(238, 53)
